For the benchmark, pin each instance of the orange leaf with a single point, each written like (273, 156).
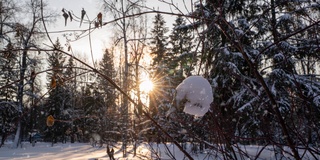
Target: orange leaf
(53, 82)
(50, 121)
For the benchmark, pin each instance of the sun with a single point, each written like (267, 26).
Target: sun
(146, 85)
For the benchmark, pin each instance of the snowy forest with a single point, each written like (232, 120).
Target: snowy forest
(260, 57)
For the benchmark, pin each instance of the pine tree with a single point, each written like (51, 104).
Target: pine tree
(180, 62)
(58, 103)
(108, 94)
(70, 70)
(159, 40)
(8, 64)
(8, 113)
(94, 109)
(181, 57)
(159, 52)
(107, 68)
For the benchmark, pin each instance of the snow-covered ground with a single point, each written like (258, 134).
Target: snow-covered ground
(77, 151)
(84, 151)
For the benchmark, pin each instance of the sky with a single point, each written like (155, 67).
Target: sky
(100, 38)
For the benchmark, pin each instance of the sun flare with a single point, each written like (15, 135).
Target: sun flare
(146, 86)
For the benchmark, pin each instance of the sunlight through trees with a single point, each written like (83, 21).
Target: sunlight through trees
(260, 59)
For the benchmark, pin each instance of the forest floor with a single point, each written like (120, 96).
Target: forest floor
(145, 151)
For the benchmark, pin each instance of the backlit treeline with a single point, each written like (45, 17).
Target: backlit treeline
(261, 58)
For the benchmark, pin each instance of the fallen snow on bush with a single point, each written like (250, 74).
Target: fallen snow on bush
(196, 92)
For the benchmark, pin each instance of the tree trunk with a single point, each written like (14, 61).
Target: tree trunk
(125, 80)
(17, 138)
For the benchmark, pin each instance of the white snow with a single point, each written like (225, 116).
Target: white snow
(84, 151)
(285, 17)
(279, 57)
(197, 92)
(239, 32)
(226, 51)
(316, 100)
(145, 151)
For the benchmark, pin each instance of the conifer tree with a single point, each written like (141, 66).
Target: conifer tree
(107, 68)
(8, 113)
(179, 63)
(108, 94)
(158, 47)
(249, 53)
(94, 109)
(8, 65)
(58, 104)
(181, 57)
(159, 40)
